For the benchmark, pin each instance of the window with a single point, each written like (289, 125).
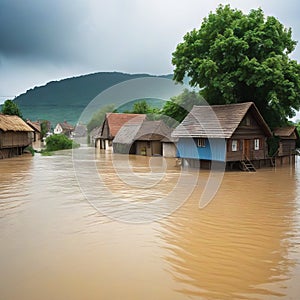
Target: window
(256, 144)
(201, 143)
(234, 145)
(246, 121)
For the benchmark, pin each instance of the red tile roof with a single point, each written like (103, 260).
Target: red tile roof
(116, 120)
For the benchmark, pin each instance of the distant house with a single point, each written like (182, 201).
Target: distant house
(287, 144)
(80, 134)
(64, 128)
(80, 131)
(142, 139)
(36, 139)
(15, 136)
(113, 122)
(235, 134)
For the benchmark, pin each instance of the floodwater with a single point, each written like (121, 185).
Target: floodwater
(59, 242)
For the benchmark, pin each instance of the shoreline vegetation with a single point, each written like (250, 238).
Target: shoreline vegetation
(57, 142)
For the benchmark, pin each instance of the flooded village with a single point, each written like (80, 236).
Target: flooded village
(149, 150)
(238, 247)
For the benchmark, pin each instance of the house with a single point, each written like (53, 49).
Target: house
(80, 134)
(15, 136)
(169, 146)
(37, 136)
(113, 122)
(64, 128)
(286, 152)
(142, 139)
(234, 134)
(94, 136)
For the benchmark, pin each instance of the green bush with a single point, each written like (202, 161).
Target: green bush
(59, 142)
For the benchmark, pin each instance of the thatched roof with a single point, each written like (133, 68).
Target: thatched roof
(217, 121)
(115, 121)
(13, 123)
(147, 131)
(287, 132)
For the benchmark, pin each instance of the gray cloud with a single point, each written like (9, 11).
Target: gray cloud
(52, 39)
(42, 29)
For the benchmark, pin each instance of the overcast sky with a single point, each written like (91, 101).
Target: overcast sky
(44, 40)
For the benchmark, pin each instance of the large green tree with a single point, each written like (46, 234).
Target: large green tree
(236, 57)
(11, 108)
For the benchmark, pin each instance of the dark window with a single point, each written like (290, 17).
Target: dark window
(201, 143)
(246, 121)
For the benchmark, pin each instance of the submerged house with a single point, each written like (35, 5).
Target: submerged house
(286, 145)
(234, 134)
(145, 138)
(15, 136)
(37, 135)
(113, 122)
(64, 128)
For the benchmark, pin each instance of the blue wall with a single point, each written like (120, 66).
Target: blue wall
(215, 149)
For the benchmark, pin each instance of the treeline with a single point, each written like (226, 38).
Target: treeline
(172, 112)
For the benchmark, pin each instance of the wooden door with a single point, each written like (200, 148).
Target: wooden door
(246, 148)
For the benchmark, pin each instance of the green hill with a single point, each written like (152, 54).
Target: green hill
(65, 100)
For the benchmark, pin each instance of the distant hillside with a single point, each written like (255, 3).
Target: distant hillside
(66, 99)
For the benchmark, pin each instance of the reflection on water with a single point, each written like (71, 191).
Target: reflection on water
(54, 245)
(238, 247)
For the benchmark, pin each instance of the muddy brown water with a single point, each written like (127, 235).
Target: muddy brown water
(56, 245)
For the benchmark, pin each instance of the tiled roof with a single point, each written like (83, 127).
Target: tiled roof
(116, 120)
(66, 126)
(217, 121)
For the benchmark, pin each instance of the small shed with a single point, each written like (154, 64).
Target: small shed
(286, 152)
(15, 136)
(169, 146)
(37, 137)
(94, 137)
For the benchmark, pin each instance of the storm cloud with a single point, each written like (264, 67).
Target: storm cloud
(49, 40)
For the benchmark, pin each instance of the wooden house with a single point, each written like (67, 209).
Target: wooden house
(64, 128)
(94, 136)
(113, 122)
(36, 135)
(235, 134)
(15, 136)
(142, 139)
(286, 152)
(169, 147)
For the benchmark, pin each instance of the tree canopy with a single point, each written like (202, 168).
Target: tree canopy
(236, 57)
(11, 108)
(179, 106)
(143, 107)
